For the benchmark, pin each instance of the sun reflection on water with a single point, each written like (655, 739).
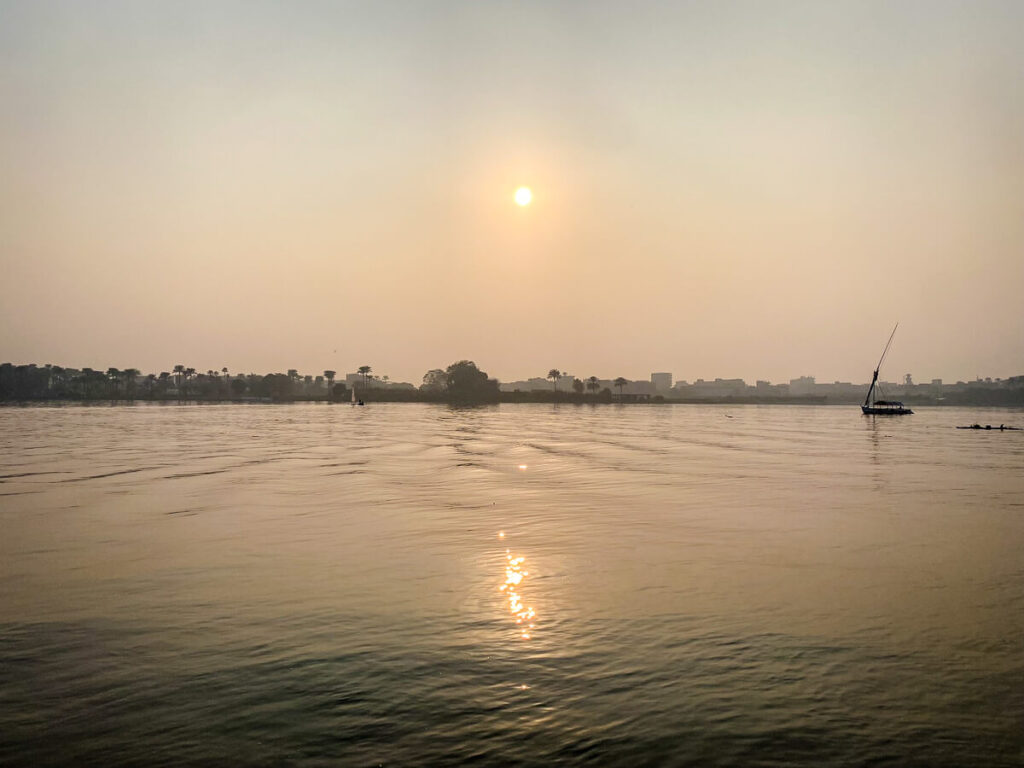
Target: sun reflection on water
(524, 614)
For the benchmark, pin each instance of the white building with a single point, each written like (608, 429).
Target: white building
(662, 382)
(803, 385)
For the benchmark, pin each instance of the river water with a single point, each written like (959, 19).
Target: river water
(408, 584)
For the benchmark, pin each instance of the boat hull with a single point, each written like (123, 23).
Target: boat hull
(878, 410)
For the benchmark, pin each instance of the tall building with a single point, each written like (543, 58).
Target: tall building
(662, 382)
(803, 385)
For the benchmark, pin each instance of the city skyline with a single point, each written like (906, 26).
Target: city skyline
(657, 380)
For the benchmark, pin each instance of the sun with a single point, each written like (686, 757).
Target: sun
(524, 196)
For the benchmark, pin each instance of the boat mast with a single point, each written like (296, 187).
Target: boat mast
(879, 366)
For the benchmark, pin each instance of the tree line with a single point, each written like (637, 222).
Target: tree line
(592, 384)
(460, 381)
(55, 382)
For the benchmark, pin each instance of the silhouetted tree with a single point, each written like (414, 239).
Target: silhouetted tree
(434, 380)
(238, 386)
(95, 382)
(179, 374)
(275, 385)
(129, 374)
(56, 378)
(593, 384)
(364, 370)
(329, 375)
(467, 383)
(620, 383)
(577, 386)
(553, 374)
(25, 382)
(113, 377)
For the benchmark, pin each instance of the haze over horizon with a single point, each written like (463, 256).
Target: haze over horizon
(755, 190)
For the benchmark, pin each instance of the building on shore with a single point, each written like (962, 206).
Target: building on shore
(662, 382)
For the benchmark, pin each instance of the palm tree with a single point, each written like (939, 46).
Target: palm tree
(92, 382)
(329, 375)
(593, 384)
(553, 374)
(577, 386)
(620, 383)
(189, 373)
(212, 382)
(365, 371)
(56, 377)
(129, 374)
(84, 380)
(227, 380)
(179, 371)
(113, 375)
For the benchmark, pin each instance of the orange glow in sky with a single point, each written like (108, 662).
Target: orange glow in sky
(730, 190)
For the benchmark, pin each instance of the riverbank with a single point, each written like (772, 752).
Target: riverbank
(1011, 400)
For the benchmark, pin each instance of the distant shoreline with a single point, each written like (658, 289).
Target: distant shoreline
(464, 383)
(510, 398)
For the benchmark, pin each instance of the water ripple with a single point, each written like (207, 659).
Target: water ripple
(319, 585)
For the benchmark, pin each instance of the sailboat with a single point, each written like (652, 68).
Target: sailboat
(874, 407)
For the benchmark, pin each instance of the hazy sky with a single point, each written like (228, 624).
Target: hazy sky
(720, 189)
